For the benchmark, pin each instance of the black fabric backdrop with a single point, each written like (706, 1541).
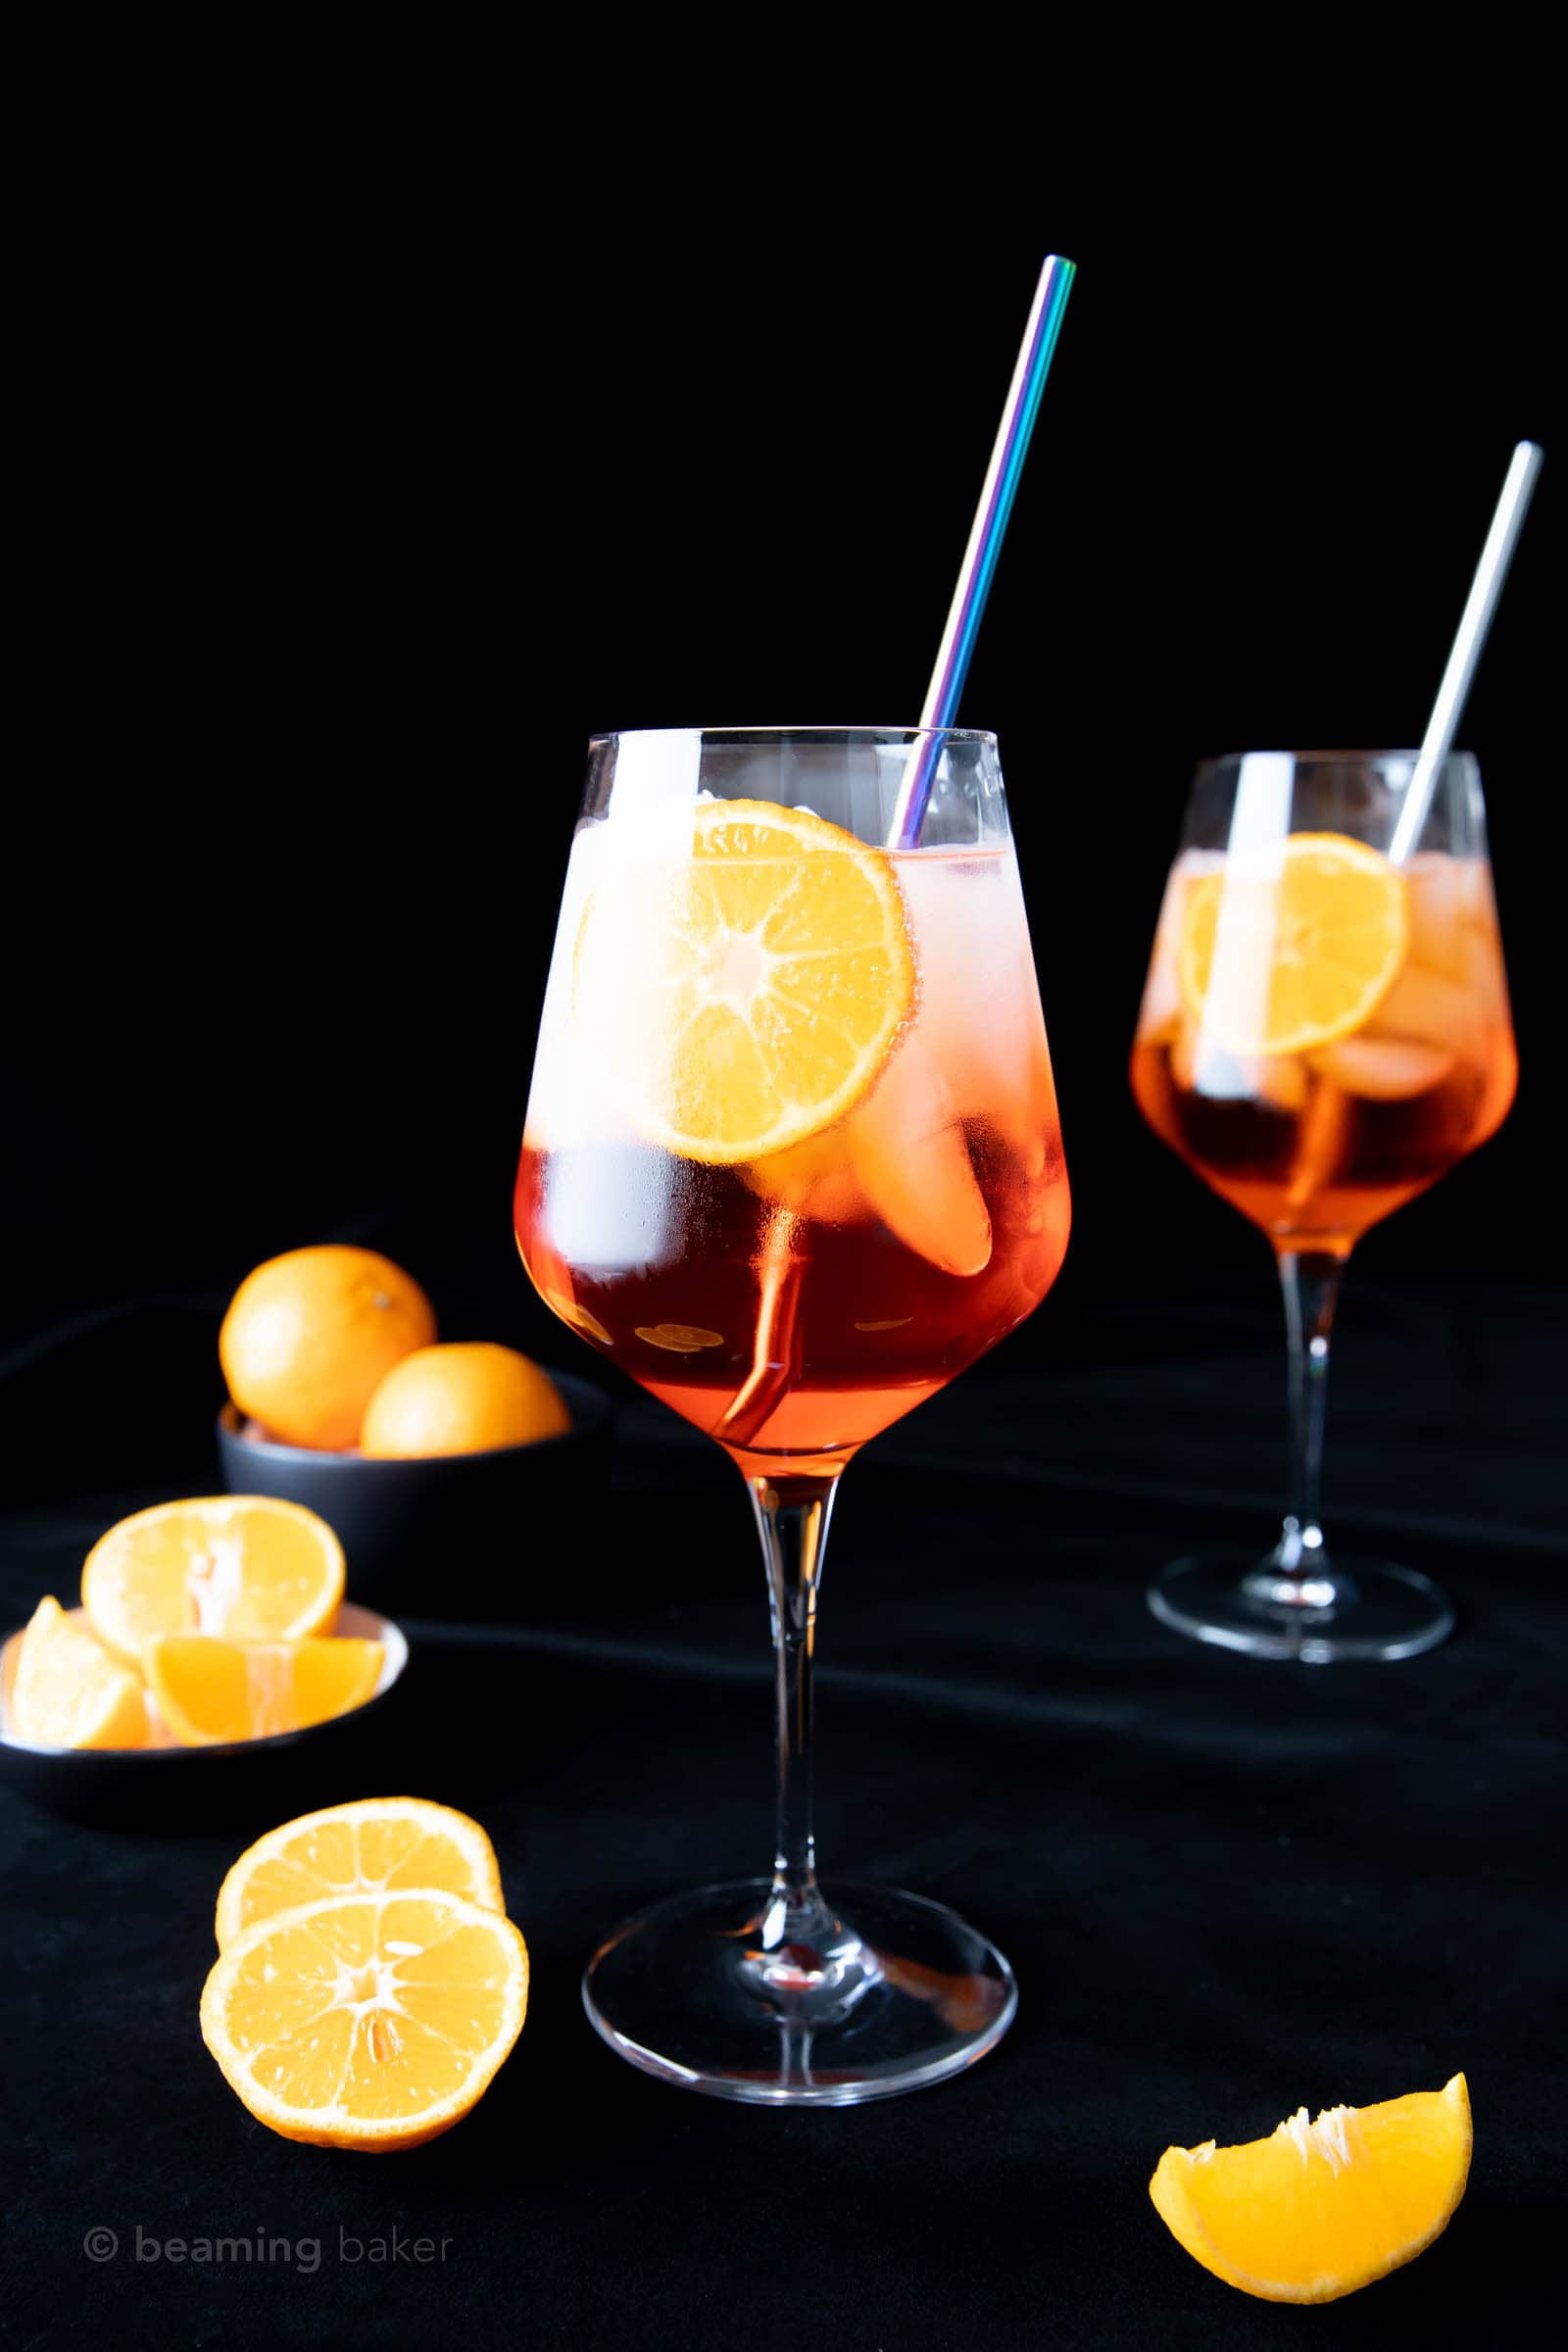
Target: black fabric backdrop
(1228, 1889)
(372, 453)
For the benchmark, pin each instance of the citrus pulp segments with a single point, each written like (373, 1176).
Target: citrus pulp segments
(743, 997)
(376, 1846)
(249, 1566)
(366, 2021)
(1284, 954)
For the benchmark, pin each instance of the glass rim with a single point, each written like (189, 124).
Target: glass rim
(1339, 758)
(897, 736)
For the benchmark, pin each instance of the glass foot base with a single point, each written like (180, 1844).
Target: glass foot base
(1233, 1598)
(898, 1992)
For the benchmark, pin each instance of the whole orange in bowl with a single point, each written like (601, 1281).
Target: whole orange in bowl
(310, 1335)
(465, 1397)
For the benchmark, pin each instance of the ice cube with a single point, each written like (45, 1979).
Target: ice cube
(909, 1156)
(1450, 899)
(1384, 1069)
(1200, 1065)
(1423, 1005)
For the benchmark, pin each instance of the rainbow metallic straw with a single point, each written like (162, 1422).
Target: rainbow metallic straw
(985, 541)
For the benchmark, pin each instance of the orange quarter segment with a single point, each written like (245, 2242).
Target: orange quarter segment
(1320, 2209)
(69, 1691)
(211, 1690)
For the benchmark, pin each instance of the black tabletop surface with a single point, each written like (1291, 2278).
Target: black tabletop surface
(1228, 1889)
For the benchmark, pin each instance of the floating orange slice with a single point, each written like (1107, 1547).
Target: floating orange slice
(1295, 948)
(379, 1843)
(246, 1565)
(742, 992)
(366, 2021)
(68, 1692)
(1320, 2209)
(212, 1690)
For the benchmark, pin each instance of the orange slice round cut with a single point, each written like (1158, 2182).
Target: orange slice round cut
(210, 1689)
(1296, 946)
(68, 1692)
(743, 988)
(379, 1845)
(246, 1565)
(366, 2021)
(1320, 2209)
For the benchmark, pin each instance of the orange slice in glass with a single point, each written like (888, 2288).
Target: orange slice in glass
(366, 2021)
(246, 1565)
(742, 989)
(210, 1689)
(1295, 947)
(1320, 2209)
(379, 1845)
(68, 1692)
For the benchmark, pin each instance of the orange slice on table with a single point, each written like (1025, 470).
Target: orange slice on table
(1295, 947)
(366, 2021)
(1320, 2209)
(68, 1692)
(246, 1565)
(379, 1843)
(210, 1689)
(742, 988)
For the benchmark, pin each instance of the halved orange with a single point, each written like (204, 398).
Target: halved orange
(366, 2021)
(246, 1565)
(375, 1844)
(1320, 2209)
(743, 988)
(210, 1689)
(1294, 946)
(68, 1692)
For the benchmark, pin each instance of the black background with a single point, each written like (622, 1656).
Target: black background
(370, 458)
(364, 494)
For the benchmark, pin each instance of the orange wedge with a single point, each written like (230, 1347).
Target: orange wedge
(68, 1692)
(212, 1690)
(366, 2021)
(743, 987)
(378, 1844)
(244, 1565)
(1295, 948)
(1320, 2209)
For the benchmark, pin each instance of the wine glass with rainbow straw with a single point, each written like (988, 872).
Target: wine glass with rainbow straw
(792, 1160)
(1324, 1032)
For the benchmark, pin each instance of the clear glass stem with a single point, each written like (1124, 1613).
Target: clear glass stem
(1297, 1573)
(792, 1518)
(806, 1959)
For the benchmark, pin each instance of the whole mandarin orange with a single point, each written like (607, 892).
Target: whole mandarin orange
(461, 1399)
(309, 1337)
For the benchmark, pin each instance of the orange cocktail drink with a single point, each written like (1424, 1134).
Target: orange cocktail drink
(1324, 1033)
(1391, 1059)
(792, 1160)
(794, 1301)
